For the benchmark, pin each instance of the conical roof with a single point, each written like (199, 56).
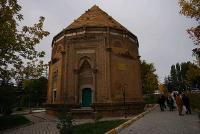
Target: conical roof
(95, 17)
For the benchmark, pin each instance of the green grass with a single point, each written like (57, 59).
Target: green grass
(150, 100)
(11, 121)
(96, 128)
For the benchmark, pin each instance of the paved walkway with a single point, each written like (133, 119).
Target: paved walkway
(155, 122)
(38, 128)
(167, 122)
(43, 123)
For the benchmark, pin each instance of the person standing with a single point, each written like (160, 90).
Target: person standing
(170, 103)
(174, 99)
(161, 102)
(186, 103)
(179, 103)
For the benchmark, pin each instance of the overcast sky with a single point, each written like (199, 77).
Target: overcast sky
(157, 24)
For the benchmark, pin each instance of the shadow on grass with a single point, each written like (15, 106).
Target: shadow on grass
(96, 128)
(11, 121)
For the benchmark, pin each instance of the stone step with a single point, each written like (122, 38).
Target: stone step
(86, 113)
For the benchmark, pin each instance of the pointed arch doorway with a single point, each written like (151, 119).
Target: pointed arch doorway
(86, 84)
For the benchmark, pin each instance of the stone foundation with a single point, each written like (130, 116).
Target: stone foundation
(104, 109)
(118, 109)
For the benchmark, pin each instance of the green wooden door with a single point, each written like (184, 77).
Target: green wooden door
(86, 97)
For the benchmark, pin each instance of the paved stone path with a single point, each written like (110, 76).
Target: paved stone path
(167, 122)
(155, 122)
(43, 123)
(38, 128)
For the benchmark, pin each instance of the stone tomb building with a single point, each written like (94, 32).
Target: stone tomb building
(95, 67)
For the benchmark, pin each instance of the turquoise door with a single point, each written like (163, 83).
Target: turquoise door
(86, 97)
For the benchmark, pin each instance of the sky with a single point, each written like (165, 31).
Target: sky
(160, 29)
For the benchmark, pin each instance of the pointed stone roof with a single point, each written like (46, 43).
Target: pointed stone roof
(95, 17)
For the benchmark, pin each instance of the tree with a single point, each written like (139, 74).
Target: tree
(149, 78)
(17, 43)
(168, 84)
(182, 76)
(163, 89)
(178, 72)
(40, 90)
(193, 76)
(191, 9)
(35, 91)
(32, 70)
(184, 69)
(173, 76)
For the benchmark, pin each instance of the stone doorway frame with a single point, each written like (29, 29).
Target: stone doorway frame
(81, 59)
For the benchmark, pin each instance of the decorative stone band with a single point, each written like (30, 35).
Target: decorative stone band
(129, 122)
(95, 30)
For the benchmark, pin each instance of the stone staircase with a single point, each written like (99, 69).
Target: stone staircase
(81, 113)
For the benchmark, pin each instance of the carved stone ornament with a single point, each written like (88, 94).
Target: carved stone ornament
(60, 49)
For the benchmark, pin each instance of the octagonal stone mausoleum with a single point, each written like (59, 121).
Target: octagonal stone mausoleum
(94, 68)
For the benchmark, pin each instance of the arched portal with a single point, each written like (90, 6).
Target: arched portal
(85, 84)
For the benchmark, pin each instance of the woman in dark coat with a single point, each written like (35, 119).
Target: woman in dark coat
(186, 103)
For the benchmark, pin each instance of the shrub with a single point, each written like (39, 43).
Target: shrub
(65, 124)
(65, 121)
(194, 100)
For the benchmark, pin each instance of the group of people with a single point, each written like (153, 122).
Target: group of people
(182, 101)
(177, 100)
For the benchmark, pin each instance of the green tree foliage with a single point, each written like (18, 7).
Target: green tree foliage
(17, 43)
(35, 91)
(168, 83)
(173, 76)
(191, 9)
(178, 71)
(149, 78)
(182, 76)
(193, 76)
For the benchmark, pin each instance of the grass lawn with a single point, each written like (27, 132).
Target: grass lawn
(150, 100)
(12, 121)
(97, 128)
(194, 100)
